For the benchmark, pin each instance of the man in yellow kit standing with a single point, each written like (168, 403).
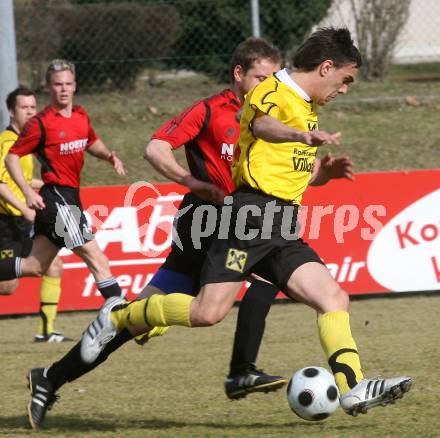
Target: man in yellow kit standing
(16, 217)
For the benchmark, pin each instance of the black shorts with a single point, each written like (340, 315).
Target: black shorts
(62, 221)
(189, 247)
(256, 243)
(15, 236)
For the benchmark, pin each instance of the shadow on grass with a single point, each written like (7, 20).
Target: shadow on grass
(72, 423)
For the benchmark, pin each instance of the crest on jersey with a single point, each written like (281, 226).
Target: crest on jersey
(236, 260)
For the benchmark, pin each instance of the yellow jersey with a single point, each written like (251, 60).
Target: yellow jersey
(7, 139)
(282, 170)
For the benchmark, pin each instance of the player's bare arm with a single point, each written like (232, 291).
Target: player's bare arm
(331, 168)
(159, 154)
(7, 195)
(272, 130)
(100, 150)
(33, 199)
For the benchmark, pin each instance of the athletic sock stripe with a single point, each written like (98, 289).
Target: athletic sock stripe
(38, 402)
(40, 388)
(107, 282)
(18, 267)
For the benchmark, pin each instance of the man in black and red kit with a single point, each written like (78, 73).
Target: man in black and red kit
(59, 135)
(209, 130)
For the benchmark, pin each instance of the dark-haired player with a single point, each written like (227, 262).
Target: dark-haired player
(16, 217)
(278, 140)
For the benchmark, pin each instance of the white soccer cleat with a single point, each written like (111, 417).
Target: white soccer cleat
(374, 392)
(100, 331)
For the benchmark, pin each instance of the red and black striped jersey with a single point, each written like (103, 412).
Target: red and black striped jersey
(59, 143)
(209, 131)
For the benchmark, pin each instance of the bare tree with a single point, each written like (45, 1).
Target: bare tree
(378, 24)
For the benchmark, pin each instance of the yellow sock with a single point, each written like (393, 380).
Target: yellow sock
(340, 348)
(49, 297)
(158, 310)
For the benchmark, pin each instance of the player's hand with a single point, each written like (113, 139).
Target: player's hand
(29, 214)
(206, 191)
(337, 167)
(118, 165)
(320, 138)
(34, 201)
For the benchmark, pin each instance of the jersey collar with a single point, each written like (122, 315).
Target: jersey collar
(11, 128)
(283, 76)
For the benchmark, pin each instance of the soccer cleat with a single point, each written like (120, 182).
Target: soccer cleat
(42, 396)
(253, 380)
(54, 337)
(370, 393)
(100, 331)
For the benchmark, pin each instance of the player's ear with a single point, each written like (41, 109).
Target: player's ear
(325, 67)
(238, 73)
(74, 86)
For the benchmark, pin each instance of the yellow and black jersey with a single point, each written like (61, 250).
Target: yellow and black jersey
(278, 169)
(7, 139)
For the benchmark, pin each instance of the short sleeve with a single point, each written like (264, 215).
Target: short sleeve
(28, 140)
(183, 128)
(267, 98)
(91, 134)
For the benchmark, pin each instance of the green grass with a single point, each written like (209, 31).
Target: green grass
(173, 387)
(382, 129)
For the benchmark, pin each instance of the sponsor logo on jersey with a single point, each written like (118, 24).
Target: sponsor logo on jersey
(72, 147)
(227, 151)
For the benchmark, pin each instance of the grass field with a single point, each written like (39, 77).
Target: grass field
(390, 125)
(173, 387)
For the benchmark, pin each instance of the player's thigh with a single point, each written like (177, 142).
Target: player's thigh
(312, 284)
(41, 256)
(213, 302)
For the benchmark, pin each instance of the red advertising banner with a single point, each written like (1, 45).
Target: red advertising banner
(377, 234)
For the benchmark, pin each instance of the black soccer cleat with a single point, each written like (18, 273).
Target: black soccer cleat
(42, 397)
(252, 380)
(53, 337)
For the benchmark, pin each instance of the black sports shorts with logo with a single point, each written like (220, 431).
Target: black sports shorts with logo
(62, 221)
(15, 236)
(255, 243)
(188, 250)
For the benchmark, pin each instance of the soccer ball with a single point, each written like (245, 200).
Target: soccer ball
(312, 393)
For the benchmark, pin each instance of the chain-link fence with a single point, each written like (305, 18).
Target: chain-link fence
(112, 42)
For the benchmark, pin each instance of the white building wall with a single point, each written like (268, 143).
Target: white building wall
(419, 40)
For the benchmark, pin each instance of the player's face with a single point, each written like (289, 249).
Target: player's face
(61, 88)
(334, 81)
(259, 71)
(25, 108)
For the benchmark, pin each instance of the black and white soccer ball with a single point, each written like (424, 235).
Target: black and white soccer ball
(312, 393)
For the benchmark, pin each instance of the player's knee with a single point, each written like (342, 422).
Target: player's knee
(338, 298)
(209, 318)
(56, 268)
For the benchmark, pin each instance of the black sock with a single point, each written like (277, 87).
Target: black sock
(109, 288)
(9, 267)
(251, 322)
(71, 366)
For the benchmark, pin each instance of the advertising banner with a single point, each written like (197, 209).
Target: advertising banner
(377, 234)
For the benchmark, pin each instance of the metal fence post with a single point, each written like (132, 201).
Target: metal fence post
(8, 58)
(255, 15)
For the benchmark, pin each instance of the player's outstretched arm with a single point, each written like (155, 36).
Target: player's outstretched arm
(272, 130)
(159, 153)
(331, 168)
(100, 150)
